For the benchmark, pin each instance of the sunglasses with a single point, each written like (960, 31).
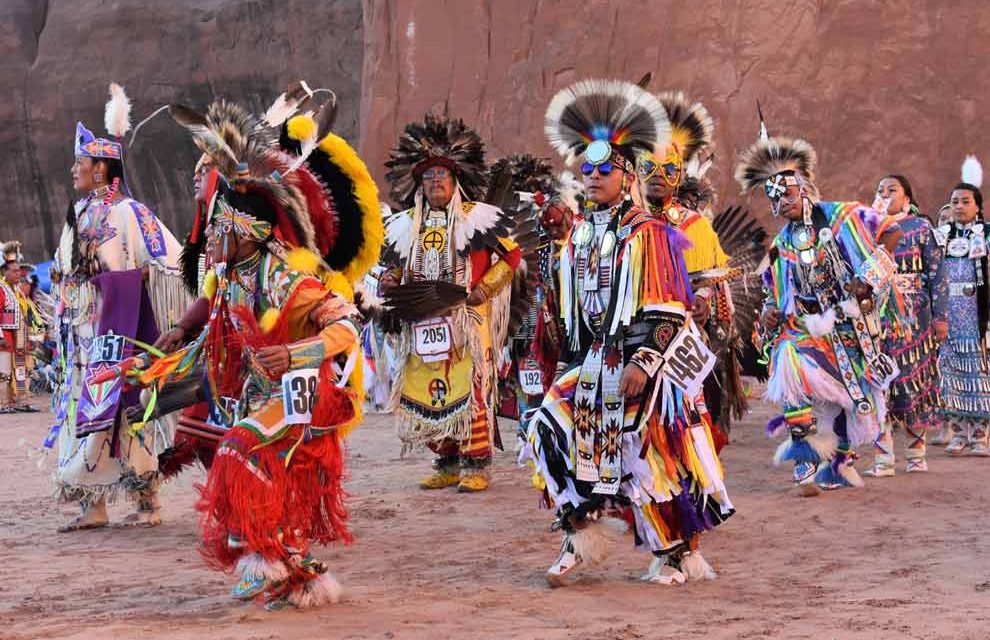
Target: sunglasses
(604, 168)
(439, 172)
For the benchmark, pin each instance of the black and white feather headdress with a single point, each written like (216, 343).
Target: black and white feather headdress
(614, 111)
(437, 140)
(771, 156)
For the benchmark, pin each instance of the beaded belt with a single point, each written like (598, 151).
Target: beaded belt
(962, 288)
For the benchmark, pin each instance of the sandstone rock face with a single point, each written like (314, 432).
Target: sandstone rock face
(57, 59)
(885, 86)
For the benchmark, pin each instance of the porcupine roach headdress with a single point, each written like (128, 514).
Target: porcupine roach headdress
(600, 119)
(437, 141)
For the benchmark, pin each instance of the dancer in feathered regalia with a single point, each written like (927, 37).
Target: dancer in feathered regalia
(624, 427)
(826, 281)
(451, 266)
(686, 159)
(289, 229)
(533, 350)
(115, 279)
(914, 395)
(963, 356)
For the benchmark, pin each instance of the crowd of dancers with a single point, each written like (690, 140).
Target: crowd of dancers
(611, 312)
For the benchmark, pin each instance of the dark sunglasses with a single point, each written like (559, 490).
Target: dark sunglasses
(604, 168)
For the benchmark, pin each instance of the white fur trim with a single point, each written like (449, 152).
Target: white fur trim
(849, 473)
(255, 565)
(820, 324)
(317, 592)
(593, 543)
(851, 308)
(695, 567)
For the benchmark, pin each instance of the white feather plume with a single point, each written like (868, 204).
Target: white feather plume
(972, 171)
(117, 117)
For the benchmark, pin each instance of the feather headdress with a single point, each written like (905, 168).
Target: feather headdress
(529, 174)
(12, 250)
(767, 158)
(613, 111)
(692, 127)
(230, 135)
(972, 171)
(116, 120)
(438, 140)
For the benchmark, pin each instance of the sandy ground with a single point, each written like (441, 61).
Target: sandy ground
(902, 558)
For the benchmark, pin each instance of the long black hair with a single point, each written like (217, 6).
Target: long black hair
(905, 184)
(977, 195)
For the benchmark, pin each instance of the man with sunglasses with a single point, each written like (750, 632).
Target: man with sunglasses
(826, 281)
(446, 394)
(620, 432)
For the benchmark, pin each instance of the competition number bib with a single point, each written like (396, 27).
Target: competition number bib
(531, 378)
(432, 339)
(688, 361)
(299, 395)
(107, 348)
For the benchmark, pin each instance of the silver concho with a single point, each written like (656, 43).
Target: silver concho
(598, 152)
(583, 235)
(608, 244)
(864, 407)
(958, 247)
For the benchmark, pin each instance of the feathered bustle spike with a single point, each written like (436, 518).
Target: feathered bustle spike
(692, 127)
(615, 111)
(769, 157)
(117, 117)
(972, 171)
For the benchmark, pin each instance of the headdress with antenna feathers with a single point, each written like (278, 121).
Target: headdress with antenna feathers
(437, 140)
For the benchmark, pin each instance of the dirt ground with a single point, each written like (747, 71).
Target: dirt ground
(902, 558)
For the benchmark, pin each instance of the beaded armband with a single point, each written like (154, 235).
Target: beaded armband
(647, 359)
(498, 276)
